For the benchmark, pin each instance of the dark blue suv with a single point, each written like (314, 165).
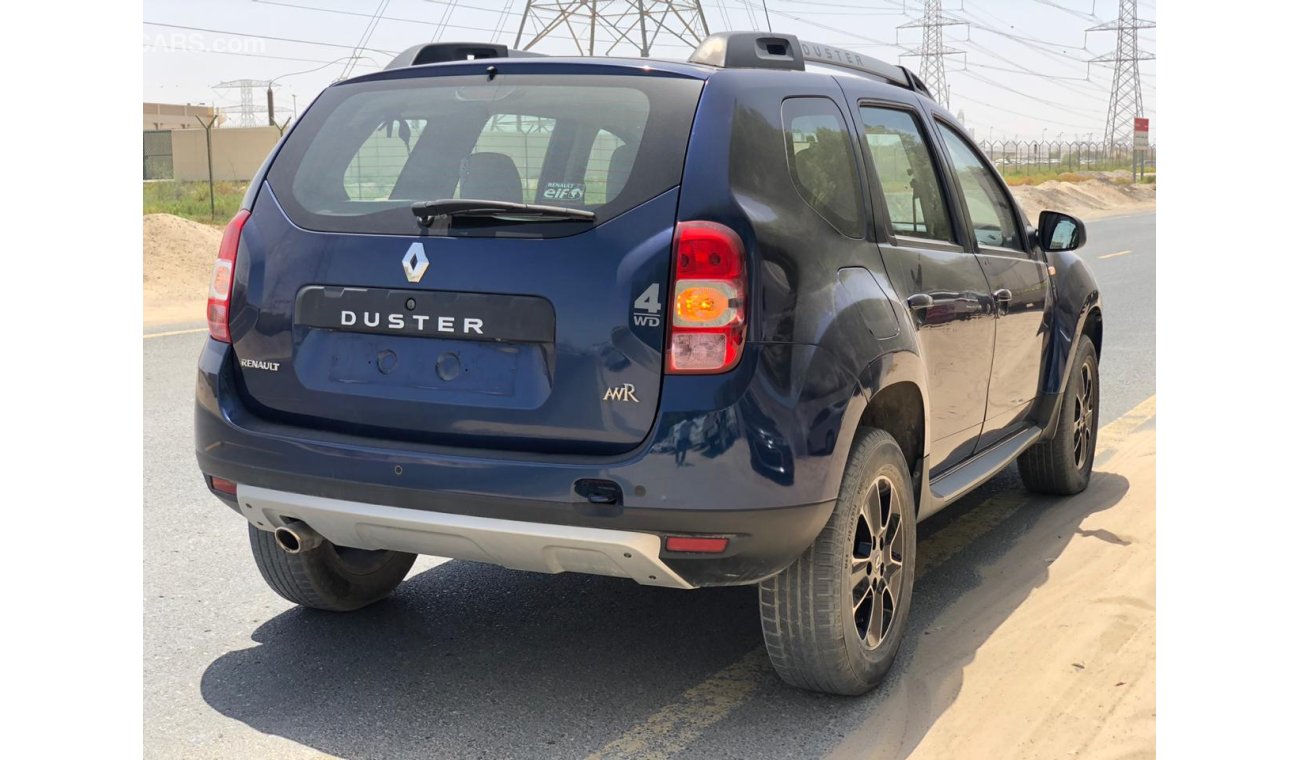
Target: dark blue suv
(740, 320)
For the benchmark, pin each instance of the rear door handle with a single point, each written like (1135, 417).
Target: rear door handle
(918, 301)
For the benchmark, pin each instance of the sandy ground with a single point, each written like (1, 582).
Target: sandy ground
(1091, 199)
(178, 253)
(178, 256)
(1071, 666)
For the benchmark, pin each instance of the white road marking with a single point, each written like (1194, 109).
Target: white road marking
(1113, 255)
(147, 336)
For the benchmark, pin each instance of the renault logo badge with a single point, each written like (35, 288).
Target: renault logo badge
(415, 262)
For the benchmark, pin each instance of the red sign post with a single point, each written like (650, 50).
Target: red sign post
(1141, 130)
(1141, 142)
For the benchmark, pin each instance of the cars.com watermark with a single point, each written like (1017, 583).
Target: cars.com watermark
(198, 42)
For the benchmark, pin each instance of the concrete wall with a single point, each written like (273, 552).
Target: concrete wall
(237, 154)
(177, 116)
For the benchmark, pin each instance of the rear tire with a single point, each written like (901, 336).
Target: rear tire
(833, 621)
(328, 577)
(1062, 466)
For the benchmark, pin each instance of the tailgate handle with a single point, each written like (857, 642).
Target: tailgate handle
(599, 491)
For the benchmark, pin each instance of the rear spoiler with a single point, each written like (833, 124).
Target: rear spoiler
(442, 52)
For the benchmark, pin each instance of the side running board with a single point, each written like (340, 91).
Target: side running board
(961, 480)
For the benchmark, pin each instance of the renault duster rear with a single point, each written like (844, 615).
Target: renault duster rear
(474, 310)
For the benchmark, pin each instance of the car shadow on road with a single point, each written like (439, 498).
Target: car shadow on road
(928, 675)
(469, 660)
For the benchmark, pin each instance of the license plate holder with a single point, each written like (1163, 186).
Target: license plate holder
(427, 313)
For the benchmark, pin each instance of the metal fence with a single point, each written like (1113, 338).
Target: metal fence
(157, 154)
(1017, 157)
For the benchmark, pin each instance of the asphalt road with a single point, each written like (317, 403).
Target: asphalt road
(468, 660)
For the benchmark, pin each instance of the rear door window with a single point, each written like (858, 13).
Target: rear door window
(365, 151)
(905, 165)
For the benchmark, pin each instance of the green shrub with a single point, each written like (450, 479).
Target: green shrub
(190, 199)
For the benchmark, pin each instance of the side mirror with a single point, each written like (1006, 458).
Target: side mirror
(1060, 232)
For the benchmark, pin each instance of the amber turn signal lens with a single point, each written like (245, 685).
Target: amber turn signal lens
(702, 305)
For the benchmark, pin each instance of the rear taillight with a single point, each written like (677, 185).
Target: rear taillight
(707, 330)
(223, 276)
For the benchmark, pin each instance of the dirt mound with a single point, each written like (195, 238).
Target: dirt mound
(1087, 200)
(178, 256)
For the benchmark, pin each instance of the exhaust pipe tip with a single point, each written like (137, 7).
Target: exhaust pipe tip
(296, 537)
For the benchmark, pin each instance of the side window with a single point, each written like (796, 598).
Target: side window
(991, 214)
(821, 162)
(905, 166)
(373, 171)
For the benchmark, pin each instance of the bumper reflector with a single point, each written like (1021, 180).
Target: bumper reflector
(696, 544)
(224, 486)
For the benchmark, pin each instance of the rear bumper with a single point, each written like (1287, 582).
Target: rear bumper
(539, 547)
(767, 491)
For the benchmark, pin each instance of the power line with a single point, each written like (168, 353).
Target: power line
(424, 22)
(375, 18)
(500, 27)
(1035, 98)
(1054, 77)
(838, 30)
(442, 22)
(1058, 6)
(1077, 89)
(1025, 115)
(1070, 86)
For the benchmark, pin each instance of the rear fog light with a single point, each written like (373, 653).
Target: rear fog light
(696, 544)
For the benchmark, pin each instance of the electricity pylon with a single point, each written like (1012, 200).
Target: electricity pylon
(933, 48)
(598, 27)
(1126, 86)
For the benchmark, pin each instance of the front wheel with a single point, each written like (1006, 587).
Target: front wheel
(328, 577)
(833, 621)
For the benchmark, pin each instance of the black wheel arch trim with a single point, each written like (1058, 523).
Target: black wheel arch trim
(1078, 297)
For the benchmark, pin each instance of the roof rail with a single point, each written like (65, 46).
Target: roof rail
(441, 52)
(758, 50)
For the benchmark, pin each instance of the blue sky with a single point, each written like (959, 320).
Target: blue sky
(1023, 73)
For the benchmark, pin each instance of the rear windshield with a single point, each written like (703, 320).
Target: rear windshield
(365, 152)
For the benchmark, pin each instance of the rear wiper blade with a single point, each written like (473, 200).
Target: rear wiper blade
(428, 211)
